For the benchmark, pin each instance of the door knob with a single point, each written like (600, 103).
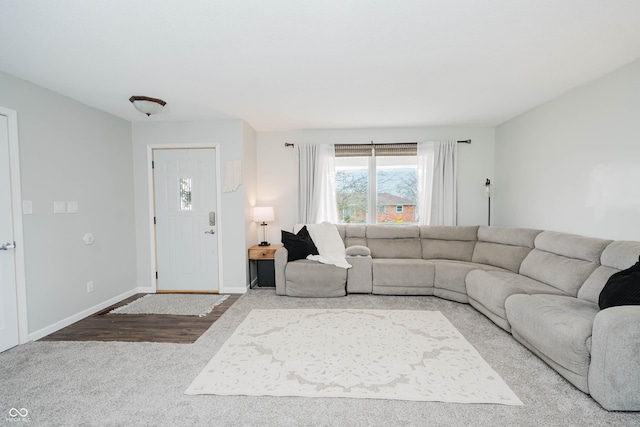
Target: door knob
(7, 246)
(210, 232)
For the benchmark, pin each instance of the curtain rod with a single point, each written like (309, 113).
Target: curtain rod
(466, 141)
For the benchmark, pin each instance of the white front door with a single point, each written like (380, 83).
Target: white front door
(8, 290)
(185, 190)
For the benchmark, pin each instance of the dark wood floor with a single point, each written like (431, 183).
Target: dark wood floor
(141, 327)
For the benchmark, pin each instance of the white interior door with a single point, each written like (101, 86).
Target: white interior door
(8, 289)
(185, 190)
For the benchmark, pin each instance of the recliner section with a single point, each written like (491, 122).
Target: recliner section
(542, 286)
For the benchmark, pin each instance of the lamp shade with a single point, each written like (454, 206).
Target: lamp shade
(263, 214)
(147, 105)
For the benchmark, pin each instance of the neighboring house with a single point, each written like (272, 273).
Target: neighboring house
(392, 208)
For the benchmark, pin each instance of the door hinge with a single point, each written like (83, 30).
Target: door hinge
(154, 220)
(156, 275)
(153, 164)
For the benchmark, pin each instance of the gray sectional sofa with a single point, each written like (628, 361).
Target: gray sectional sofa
(541, 286)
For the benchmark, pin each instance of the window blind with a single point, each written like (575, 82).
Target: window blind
(403, 149)
(354, 150)
(368, 150)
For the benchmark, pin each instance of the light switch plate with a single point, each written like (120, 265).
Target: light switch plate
(59, 207)
(27, 207)
(72, 207)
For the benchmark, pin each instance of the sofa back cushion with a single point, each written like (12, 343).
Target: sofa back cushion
(504, 247)
(617, 256)
(448, 242)
(564, 261)
(394, 241)
(355, 235)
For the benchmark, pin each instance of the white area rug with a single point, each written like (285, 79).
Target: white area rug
(178, 304)
(377, 354)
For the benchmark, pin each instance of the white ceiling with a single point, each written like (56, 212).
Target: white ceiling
(297, 64)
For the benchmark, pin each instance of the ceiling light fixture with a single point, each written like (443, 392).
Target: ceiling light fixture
(147, 105)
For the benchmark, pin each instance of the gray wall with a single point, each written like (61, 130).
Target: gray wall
(233, 137)
(72, 152)
(573, 164)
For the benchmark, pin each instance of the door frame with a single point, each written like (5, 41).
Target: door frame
(16, 207)
(151, 197)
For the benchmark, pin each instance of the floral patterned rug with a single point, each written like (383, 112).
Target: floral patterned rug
(377, 354)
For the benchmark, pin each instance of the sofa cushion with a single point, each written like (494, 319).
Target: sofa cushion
(590, 290)
(558, 329)
(447, 249)
(564, 261)
(565, 274)
(508, 236)
(616, 256)
(571, 245)
(394, 241)
(448, 242)
(392, 272)
(392, 232)
(306, 278)
(503, 247)
(355, 235)
(500, 255)
(620, 254)
(488, 291)
(449, 232)
(450, 274)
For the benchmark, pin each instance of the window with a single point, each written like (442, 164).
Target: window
(376, 183)
(352, 184)
(185, 194)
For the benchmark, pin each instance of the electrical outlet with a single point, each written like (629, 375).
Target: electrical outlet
(89, 287)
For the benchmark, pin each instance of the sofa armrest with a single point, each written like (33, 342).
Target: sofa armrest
(360, 275)
(614, 373)
(358, 250)
(279, 264)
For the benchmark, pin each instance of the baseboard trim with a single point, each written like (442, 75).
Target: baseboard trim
(84, 313)
(234, 290)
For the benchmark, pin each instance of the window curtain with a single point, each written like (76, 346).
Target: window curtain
(437, 183)
(316, 184)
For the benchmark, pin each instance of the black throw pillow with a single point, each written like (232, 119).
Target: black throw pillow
(622, 288)
(298, 245)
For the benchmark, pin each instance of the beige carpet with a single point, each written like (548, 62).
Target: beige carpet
(378, 354)
(175, 304)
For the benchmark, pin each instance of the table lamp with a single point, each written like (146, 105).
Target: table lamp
(262, 215)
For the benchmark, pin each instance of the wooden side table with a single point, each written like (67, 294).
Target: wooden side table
(263, 257)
